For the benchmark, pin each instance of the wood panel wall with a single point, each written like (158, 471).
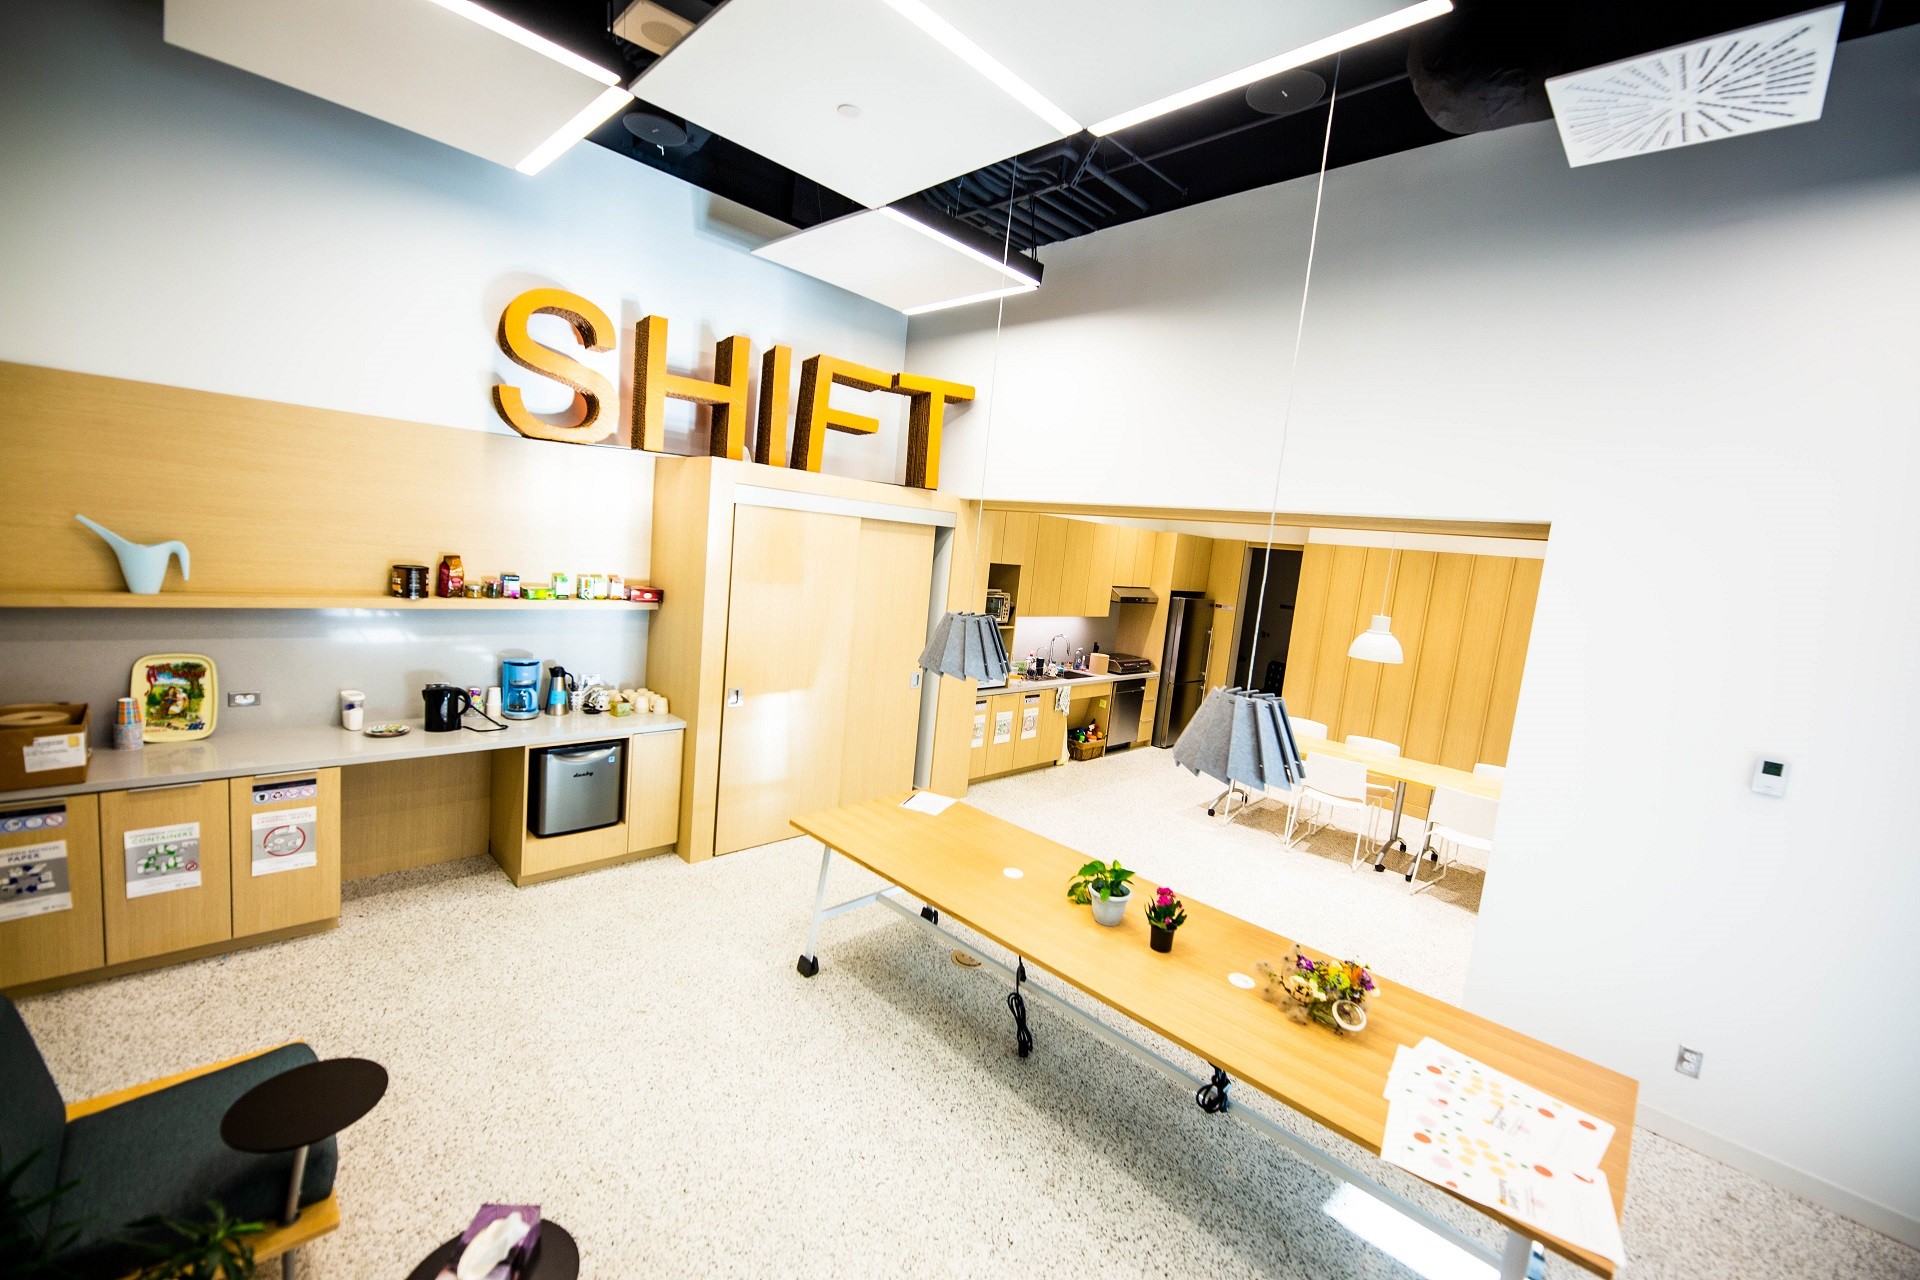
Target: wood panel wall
(282, 499)
(1463, 622)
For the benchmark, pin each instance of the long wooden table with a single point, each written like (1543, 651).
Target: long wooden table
(1402, 769)
(958, 863)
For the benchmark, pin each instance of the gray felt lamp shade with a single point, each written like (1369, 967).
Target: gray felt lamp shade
(966, 646)
(1238, 736)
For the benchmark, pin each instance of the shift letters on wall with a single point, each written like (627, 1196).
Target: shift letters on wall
(590, 418)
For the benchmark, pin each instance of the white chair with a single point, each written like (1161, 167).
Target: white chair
(1332, 787)
(1305, 728)
(1490, 770)
(1455, 821)
(1360, 742)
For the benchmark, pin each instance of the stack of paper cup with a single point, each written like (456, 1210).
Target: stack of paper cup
(353, 709)
(129, 731)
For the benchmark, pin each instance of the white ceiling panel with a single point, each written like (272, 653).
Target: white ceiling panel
(1099, 58)
(896, 261)
(417, 64)
(772, 76)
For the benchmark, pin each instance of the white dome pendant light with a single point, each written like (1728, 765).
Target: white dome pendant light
(1378, 643)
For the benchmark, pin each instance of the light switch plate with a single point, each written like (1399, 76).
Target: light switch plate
(1770, 777)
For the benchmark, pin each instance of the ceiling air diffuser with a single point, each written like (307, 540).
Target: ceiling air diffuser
(1761, 77)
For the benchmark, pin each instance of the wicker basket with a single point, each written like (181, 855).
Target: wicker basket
(1086, 750)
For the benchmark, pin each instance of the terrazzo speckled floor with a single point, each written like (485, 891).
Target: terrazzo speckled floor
(633, 1050)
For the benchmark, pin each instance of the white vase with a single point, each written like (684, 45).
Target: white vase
(1110, 911)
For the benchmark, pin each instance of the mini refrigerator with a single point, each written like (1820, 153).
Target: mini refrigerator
(575, 788)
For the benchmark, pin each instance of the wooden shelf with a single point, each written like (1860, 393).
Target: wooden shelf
(211, 600)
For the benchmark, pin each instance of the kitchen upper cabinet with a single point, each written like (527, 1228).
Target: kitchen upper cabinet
(1049, 569)
(1098, 595)
(1018, 532)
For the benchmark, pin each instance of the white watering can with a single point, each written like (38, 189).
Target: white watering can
(144, 568)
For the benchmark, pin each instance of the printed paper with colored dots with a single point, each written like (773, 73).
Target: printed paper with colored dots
(1462, 1125)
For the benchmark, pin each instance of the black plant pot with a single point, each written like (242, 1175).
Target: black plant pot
(1162, 939)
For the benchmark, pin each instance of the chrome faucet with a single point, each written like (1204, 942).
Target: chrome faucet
(1051, 660)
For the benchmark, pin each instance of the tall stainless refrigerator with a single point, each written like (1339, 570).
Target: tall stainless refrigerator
(1183, 666)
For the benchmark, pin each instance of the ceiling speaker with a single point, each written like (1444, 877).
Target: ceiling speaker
(1746, 81)
(651, 27)
(1286, 93)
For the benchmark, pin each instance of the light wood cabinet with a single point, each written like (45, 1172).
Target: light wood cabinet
(1049, 570)
(1097, 596)
(33, 837)
(653, 789)
(1003, 731)
(1018, 533)
(982, 732)
(295, 879)
(527, 858)
(179, 894)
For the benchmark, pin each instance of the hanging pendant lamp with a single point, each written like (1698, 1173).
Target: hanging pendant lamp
(966, 646)
(1378, 643)
(1241, 738)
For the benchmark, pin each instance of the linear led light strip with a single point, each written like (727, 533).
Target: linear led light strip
(1386, 24)
(983, 62)
(1024, 283)
(587, 118)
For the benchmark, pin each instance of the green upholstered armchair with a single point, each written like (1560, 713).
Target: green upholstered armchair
(153, 1148)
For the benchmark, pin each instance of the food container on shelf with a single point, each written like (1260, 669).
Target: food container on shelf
(44, 744)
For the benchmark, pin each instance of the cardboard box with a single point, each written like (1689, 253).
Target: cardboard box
(52, 750)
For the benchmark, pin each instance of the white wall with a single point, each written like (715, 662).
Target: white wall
(1700, 367)
(169, 218)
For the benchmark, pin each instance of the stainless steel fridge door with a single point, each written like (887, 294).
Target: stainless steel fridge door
(1182, 668)
(575, 788)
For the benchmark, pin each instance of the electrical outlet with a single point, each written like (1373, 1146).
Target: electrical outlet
(243, 699)
(1688, 1063)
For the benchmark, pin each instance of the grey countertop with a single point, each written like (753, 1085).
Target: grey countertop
(1016, 685)
(276, 751)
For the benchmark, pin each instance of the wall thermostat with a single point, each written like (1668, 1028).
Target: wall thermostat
(1770, 777)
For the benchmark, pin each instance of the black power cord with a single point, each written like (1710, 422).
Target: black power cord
(1212, 1096)
(1017, 1003)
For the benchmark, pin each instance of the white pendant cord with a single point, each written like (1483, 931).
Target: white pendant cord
(1387, 586)
(1293, 375)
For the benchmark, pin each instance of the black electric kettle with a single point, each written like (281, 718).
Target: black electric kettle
(446, 703)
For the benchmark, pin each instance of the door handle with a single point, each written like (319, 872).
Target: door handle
(733, 697)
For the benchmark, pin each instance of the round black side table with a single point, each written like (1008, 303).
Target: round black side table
(297, 1108)
(555, 1257)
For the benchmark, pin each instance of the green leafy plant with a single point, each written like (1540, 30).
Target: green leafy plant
(1106, 880)
(1166, 911)
(25, 1251)
(216, 1249)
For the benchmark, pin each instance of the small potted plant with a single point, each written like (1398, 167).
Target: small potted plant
(1103, 885)
(1165, 914)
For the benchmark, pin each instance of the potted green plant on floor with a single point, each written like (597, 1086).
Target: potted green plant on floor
(216, 1249)
(25, 1249)
(1164, 914)
(1103, 885)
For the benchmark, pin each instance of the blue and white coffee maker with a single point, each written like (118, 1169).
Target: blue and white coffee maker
(520, 688)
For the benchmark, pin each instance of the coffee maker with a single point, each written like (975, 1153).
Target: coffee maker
(520, 688)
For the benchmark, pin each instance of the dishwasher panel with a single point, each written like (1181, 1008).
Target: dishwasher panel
(1123, 712)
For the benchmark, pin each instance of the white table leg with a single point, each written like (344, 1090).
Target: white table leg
(1393, 832)
(809, 959)
(1516, 1258)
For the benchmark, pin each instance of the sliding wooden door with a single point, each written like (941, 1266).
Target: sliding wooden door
(894, 579)
(825, 617)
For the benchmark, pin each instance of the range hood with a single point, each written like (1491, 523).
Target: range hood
(1134, 595)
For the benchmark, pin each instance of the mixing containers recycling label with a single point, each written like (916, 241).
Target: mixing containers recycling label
(163, 859)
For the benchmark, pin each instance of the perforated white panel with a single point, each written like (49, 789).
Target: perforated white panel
(1762, 77)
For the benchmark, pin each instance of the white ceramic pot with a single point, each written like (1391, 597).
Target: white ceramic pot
(1110, 911)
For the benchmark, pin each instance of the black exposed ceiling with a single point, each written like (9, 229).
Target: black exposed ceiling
(1479, 67)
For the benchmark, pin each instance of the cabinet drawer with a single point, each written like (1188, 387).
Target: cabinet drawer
(653, 789)
(50, 922)
(164, 869)
(285, 849)
(1003, 719)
